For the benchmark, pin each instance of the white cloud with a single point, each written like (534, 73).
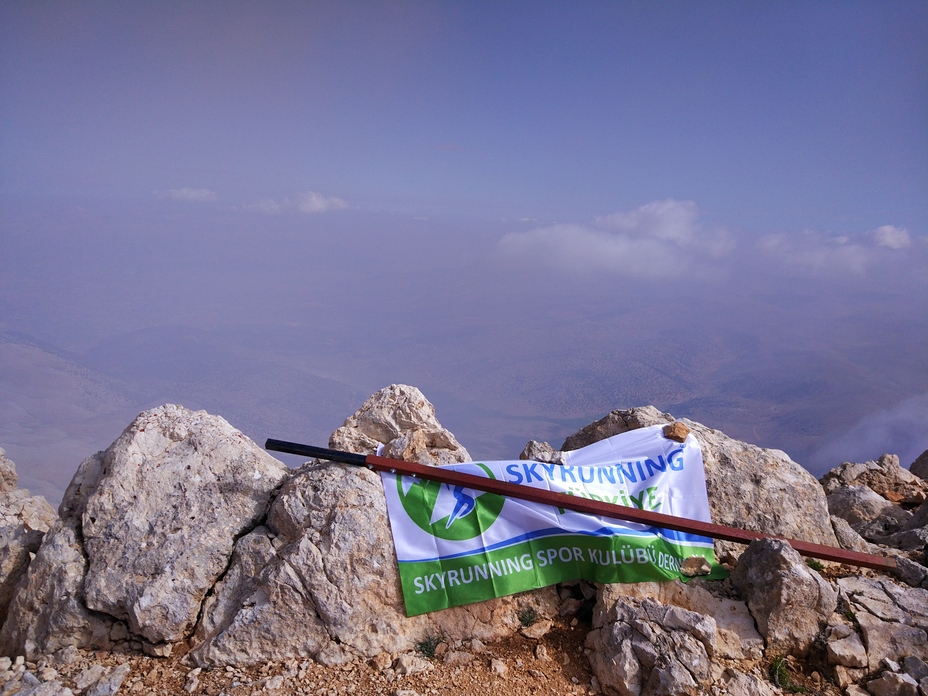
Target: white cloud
(668, 219)
(820, 251)
(309, 202)
(901, 429)
(267, 206)
(656, 240)
(892, 237)
(312, 202)
(194, 195)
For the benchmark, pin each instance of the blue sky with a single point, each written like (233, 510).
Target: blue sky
(769, 115)
(527, 195)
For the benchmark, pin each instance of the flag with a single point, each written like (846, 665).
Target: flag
(458, 545)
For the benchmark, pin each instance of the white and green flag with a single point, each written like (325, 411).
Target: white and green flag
(458, 545)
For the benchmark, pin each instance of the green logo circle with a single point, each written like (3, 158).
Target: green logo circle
(450, 512)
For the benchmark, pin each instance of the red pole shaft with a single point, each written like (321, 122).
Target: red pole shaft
(584, 505)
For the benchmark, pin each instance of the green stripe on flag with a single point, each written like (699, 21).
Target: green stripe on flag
(439, 584)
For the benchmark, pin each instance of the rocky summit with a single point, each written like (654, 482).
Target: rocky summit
(185, 559)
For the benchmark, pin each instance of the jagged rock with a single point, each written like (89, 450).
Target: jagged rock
(915, 667)
(892, 684)
(736, 638)
(47, 614)
(540, 452)
(146, 529)
(24, 520)
(330, 572)
(175, 491)
(848, 538)
(741, 684)
(893, 619)
(403, 420)
(884, 477)
(860, 505)
(789, 601)
(848, 651)
(645, 647)
(920, 466)
(8, 478)
(886, 600)
(108, 685)
(748, 486)
(919, 517)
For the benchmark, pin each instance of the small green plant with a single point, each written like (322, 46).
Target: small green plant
(780, 677)
(815, 564)
(527, 616)
(427, 645)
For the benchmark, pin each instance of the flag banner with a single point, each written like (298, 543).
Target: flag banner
(457, 545)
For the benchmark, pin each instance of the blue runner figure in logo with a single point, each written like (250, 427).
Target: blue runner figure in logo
(454, 502)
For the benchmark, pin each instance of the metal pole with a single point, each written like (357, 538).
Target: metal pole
(584, 505)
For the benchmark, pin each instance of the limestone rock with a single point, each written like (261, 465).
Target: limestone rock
(886, 600)
(8, 478)
(540, 452)
(920, 466)
(643, 646)
(47, 614)
(848, 538)
(893, 619)
(402, 419)
(884, 477)
(892, 684)
(859, 504)
(24, 520)
(325, 567)
(866, 509)
(174, 492)
(741, 684)
(736, 638)
(748, 486)
(789, 601)
(146, 529)
(848, 651)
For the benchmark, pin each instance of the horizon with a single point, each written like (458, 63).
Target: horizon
(535, 213)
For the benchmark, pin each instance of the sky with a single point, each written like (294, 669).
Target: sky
(536, 212)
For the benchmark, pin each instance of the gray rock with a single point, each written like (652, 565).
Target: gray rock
(736, 636)
(330, 571)
(24, 520)
(174, 492)
(47, 614)
(891, 640)
(848, 651)
(915, 667)
(920, 466)
(884, 476)
(146, 528)
(860, 505)
(887, 600)
(919, 517)
(789, 601)
(849, 539)
(8, 478)
(748, 486)
(540, 452)
(905, 540)
(402, 419)
(412, 664)
(892, 684)
(643, 646)
(911, 573)
(741, 684)
(109, 684)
